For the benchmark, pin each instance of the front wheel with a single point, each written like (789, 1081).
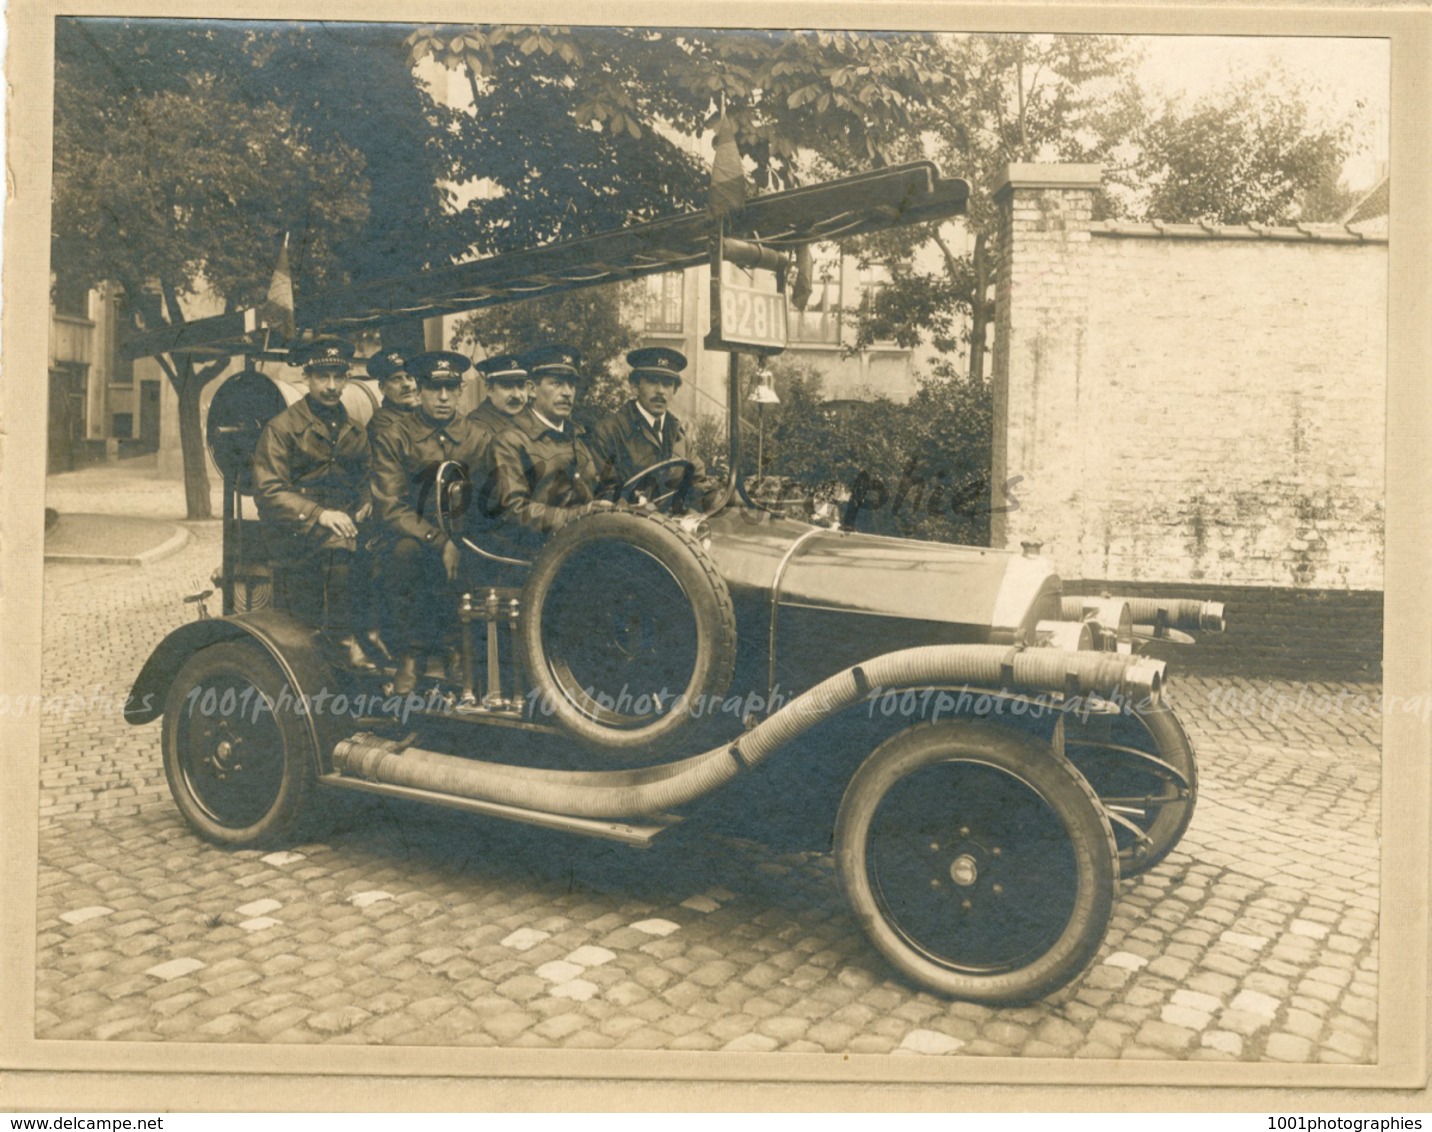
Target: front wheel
(237, 756)
(979, 862)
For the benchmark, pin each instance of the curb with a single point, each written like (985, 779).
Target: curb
(171, 545)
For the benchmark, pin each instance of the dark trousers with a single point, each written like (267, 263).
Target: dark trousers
(419, 603)
(329, 588)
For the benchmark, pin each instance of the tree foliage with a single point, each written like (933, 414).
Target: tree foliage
(573, 130)
(1255, 150)
(1249, 152)
(185, 149)
(918, 470)
(1068, 98)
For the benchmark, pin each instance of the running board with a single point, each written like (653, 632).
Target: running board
(639, 836)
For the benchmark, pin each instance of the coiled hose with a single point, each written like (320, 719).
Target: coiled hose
(611, 794)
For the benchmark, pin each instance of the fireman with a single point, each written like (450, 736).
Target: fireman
(543, 472)
(420, 563)
(645, 431)
(398, 386)
(311, 468)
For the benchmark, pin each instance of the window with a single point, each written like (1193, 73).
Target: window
(819, 323)
(123, 427)
(128, 311)
(873, 281)
(665, 295)
(71, 296)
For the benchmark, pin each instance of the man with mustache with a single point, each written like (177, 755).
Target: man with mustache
(398, 386)
(311, 468)
(506, 394)
(421, 564)
(644, 431)
(544, 474)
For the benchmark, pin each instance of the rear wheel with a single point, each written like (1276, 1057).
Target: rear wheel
(237, 755)
(978, 861)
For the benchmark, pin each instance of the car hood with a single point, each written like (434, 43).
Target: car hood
(811, 567)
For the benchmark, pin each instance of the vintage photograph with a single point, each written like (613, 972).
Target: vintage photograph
(785, 542)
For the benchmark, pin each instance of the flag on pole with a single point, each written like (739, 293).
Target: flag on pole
(277, 309)
(728, 174)
(801, 288)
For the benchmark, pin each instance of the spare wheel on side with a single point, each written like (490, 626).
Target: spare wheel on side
(628, 631)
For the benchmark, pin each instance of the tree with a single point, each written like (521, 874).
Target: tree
(576, 130)
(1024, 98)
(184, 150)
(1250, 152)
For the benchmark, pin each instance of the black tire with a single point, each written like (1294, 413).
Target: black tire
(1142, 767)
(625, 610)
(240, 766)
(979, 862)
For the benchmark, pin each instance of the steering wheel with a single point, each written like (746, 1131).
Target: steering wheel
(628, 490)
(451, 496)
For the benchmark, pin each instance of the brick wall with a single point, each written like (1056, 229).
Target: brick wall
(1186, 406)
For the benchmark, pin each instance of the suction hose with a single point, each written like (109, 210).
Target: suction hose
(613, 794)
(1181, 613)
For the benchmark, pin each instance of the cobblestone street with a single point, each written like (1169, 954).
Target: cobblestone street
(1255, 940)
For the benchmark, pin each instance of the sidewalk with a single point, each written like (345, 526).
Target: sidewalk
(126, 487)
(120, 513)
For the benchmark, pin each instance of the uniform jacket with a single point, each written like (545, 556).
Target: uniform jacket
(303, 465)
(405, 456)
(386, 414)
(624, 443)
(490, 421)
(539, 474)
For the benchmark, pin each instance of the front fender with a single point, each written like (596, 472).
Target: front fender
(291, 643)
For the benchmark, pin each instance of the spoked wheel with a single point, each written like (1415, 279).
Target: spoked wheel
(236, 754)
(1142, 766)
(979, 863)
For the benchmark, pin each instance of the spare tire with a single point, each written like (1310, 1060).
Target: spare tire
(628, 631)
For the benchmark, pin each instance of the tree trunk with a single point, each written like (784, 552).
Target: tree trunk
(191, 443)
(189, 385)
(979, 309)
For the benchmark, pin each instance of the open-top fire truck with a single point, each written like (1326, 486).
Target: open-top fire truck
(1003, 752)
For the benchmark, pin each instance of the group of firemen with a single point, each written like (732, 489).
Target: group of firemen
(350, 510)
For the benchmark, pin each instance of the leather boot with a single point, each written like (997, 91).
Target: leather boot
(375, 646)
(406, 677)
(339, 618)
(353, 655)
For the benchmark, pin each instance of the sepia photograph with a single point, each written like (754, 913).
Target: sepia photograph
(588, 550)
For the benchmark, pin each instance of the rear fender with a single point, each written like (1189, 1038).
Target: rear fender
(291, 643)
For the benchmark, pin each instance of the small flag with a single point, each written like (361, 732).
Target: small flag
(277, 309)
(801, 288)
(728, 174)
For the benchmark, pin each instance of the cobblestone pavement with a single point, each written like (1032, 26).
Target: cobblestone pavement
(1255, 940)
